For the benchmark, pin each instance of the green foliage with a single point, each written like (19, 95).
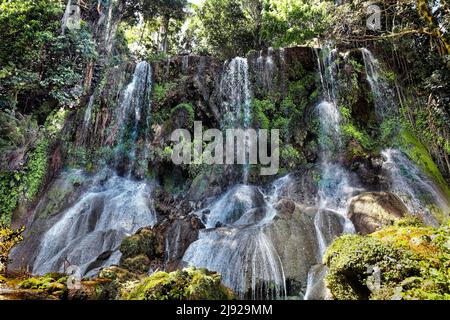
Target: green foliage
(289, 23)
(23, 184)
(160, 93)
(25, 148)
(229, 28)
(413, 261)
(187, 284)
(260, 109)
(352, 131)
(186, 110)
(291, 158)
(8, 239)
(50, 64)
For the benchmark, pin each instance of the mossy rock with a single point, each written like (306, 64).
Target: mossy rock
(187, 284)
(54, 284)
(412, 262)
(139, 264)
(420, 155)
(119, 274)
(349, 260)
(142, 243)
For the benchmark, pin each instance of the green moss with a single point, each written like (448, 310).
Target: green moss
(291, 158)
(138, 264)
(162, 90)
(352, 131)
(349, 258)
(187, 284)
(54, 284)
(420, 155)
(142, 243)
(413, 261)
(261, 109)
(188, 110)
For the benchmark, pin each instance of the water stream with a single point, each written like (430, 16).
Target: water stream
(239, 248)
(89, 232)
(236, 101)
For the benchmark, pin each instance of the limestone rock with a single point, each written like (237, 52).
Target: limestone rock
(371, 210)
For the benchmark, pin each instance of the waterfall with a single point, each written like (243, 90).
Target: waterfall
(240, 249)
(265, 69)
(335, 188)
(132, 116)
(110, 209)
(382, 93)
(89, 232)
(422, 196)
(236, 100)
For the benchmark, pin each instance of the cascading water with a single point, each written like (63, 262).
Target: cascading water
(422, 196)
(89, 232)
(335, 187)
(240, 250)
(132, 111)
(265, 69)
(382, 93)
(96, 224)
(237, 97)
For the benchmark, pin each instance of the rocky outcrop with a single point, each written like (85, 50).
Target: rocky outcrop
(161, 247)
(294, 236)
(371, 210)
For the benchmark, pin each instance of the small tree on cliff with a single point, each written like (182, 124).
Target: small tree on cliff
(8, 239)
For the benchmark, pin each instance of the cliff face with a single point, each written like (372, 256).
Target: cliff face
(266, 235)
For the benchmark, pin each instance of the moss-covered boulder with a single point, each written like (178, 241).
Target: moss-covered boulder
(404, 261)
(187, 284)
(372, 210)
(53, 284)
(142, 243)
(140, 263)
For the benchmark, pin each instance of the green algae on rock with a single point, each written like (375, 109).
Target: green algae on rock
(186, 284)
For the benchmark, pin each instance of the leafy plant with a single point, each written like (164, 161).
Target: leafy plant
(8, 239)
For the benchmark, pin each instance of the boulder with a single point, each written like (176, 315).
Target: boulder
(294, 234)
(160, 247)
(371, 210)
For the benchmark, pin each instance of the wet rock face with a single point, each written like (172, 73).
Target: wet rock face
(193, 78)
(59, 195)
(373, 210)
(295, 237)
